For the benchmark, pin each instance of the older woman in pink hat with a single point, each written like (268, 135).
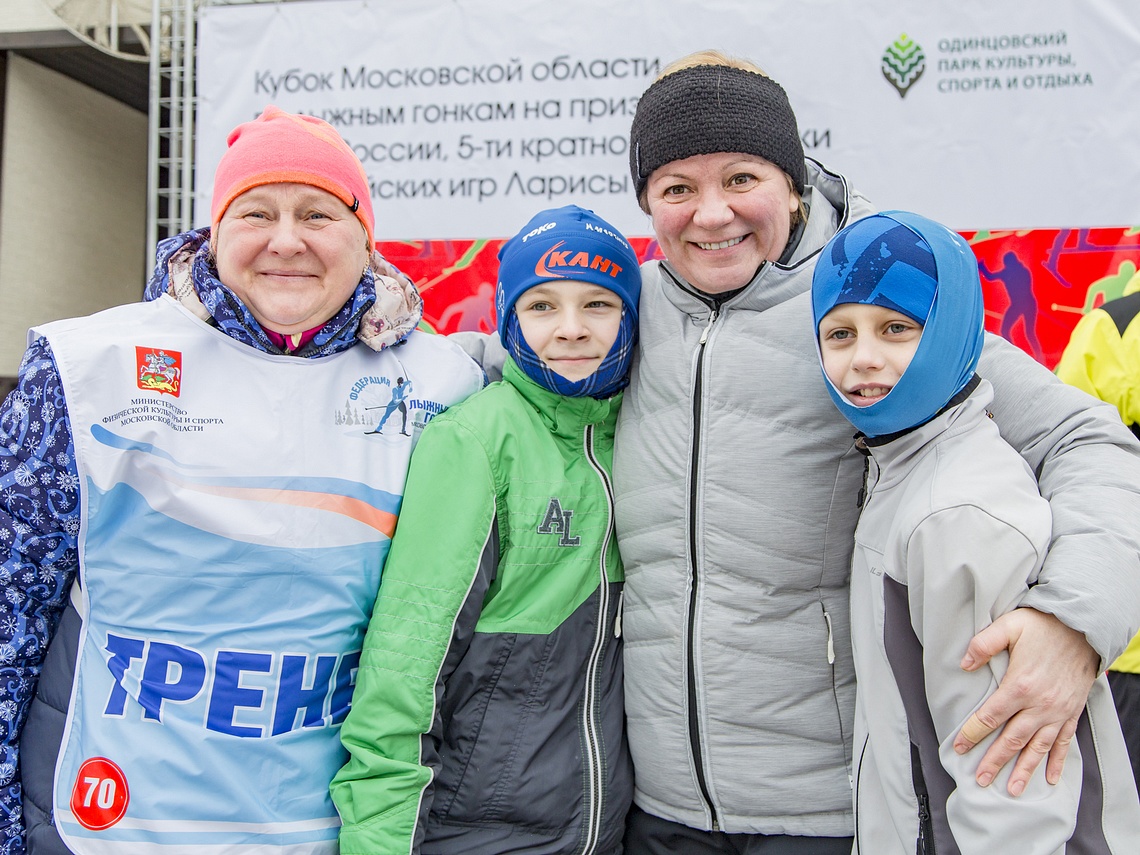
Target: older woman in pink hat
(194, 513)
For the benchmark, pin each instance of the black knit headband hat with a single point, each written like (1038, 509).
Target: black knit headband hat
(707, 109)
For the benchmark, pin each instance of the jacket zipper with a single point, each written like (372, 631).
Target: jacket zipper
(924, 845)
(691, 664)
(861, 447)
(594, 796)
(857, 787)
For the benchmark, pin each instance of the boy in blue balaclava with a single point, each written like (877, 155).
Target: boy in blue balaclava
(488, 712)
(952, 534)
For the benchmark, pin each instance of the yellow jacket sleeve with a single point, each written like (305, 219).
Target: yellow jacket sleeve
(1099, 361)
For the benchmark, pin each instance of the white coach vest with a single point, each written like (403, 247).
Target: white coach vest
(237, 508)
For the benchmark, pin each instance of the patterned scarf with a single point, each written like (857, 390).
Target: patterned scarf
(383, 309)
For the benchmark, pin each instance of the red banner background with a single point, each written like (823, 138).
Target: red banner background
(1036, 283)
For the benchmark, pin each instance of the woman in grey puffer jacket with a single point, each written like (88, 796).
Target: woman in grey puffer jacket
(737, 486)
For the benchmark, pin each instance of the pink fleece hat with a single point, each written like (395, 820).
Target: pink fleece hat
(279, 148)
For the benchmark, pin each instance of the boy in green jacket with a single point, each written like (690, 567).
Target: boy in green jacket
(487, 715)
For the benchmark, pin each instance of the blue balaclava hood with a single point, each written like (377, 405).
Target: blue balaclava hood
(924, 270)
(574, 244)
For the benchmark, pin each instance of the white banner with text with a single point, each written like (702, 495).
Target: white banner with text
(470, 115)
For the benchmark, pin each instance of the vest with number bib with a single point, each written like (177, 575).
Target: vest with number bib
(237, 510)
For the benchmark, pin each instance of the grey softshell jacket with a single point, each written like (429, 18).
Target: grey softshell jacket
(952, 533)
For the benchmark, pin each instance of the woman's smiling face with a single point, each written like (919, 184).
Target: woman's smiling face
(292, 253)
(718, 217)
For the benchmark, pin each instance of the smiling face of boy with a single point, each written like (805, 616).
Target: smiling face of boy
(866, 348)
(570, 325)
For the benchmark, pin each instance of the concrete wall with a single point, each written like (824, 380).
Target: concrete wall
(73, 203)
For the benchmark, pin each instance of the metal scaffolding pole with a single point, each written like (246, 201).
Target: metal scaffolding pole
(170, 160)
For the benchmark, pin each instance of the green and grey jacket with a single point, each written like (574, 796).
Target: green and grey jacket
(487, 715)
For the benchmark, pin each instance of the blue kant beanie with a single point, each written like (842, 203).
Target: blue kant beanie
(569, 243)
(922, 269)
(566, 243)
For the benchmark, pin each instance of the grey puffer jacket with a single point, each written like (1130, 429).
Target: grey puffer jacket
(737, 484)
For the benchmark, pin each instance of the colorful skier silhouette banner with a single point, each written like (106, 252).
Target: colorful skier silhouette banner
(1013, 123)
(1037, 283)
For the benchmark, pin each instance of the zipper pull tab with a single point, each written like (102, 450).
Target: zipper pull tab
(830, 639)
(620, 612)
(708, 326)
